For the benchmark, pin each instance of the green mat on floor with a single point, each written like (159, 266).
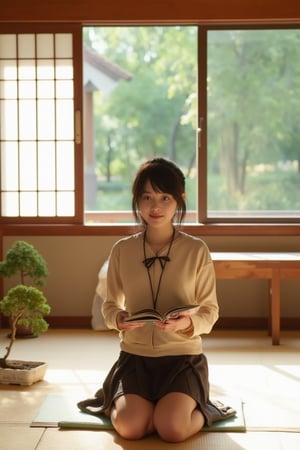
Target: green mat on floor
(60, 410)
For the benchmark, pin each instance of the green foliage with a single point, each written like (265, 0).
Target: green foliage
(24, 305)
(253, 108)
(272, 191)
(24, 259)
(153, 114)
(28, 305)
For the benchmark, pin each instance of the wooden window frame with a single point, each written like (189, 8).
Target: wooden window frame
(76, 31)
(76, 225)
(224, 222)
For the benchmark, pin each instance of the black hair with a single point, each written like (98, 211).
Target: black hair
(164, 176)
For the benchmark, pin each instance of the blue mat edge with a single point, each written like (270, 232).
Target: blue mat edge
(69, 416)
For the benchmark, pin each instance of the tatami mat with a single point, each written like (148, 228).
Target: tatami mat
(243, 365)
(87, 440)
(19, 438)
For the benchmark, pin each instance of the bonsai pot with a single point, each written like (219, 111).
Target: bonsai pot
(24, 373)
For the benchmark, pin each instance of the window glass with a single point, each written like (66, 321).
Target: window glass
(140, 101)
(253, 143)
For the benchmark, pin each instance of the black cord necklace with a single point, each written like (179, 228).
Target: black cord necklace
(162, 260)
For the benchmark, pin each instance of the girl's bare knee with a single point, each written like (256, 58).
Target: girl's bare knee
(132, 425)
(128, 427)
(172, 433)
(176, 418)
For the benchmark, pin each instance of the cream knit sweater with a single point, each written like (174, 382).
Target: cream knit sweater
(188, 278)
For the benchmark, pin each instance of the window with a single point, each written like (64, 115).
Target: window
(248, 156)
(222, 103)
(253, 131)
(37, 126)
(140, 90)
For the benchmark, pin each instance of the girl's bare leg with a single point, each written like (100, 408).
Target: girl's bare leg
(132, 416)
(176, 418)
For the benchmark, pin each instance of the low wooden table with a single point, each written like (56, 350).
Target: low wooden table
(271, 266)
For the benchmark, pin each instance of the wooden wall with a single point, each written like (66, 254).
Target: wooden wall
(191, 11)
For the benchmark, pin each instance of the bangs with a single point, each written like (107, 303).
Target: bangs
(162, 180)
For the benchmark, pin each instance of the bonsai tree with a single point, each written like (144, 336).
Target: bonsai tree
(24, 304)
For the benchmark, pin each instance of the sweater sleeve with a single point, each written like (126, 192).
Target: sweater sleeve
(114, 299)
(207, 314)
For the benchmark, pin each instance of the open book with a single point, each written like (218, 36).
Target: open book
(150, 315)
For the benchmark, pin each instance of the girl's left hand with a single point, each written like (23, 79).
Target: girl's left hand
(180, 323)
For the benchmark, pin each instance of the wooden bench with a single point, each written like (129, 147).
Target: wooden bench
(271, 266)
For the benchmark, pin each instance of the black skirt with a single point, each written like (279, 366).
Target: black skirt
(154, 377)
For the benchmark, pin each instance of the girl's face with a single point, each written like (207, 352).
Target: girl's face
(156, 208)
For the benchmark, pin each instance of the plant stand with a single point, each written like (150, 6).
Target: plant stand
(24, 373)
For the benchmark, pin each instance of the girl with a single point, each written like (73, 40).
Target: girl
(160, 381)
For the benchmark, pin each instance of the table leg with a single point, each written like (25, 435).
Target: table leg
(270, 321)
(275, 306)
